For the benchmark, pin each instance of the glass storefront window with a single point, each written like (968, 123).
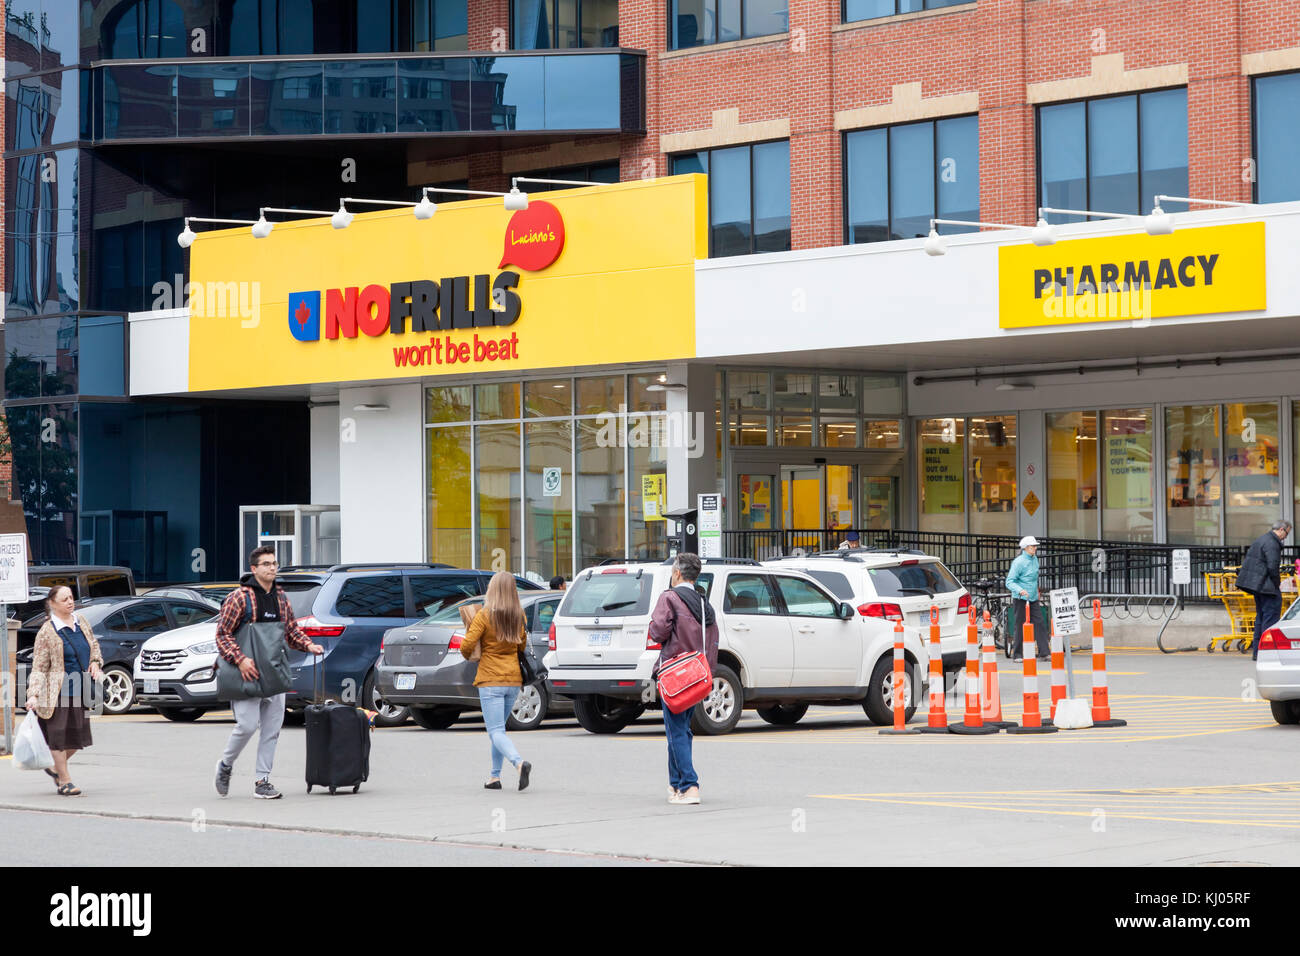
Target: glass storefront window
(497, 481)
(597, 395)
(45, 477)
(449, 403)
(550, 399)
(643, 400)
(1251, 464)
(887, 434)
(994, 504)
(499, 400)
(838, 433)
(793, 390)
(1072, 492)
(795, 431)
(449, 496)
(42, 358)
(756, 503)
(941, 481)
(548, 449)
(599, 487)
(1193, 474)
(747, 390)
(839, 497)
(750, 430)
(882, 394)
(837, 393)
(647, 459)
(1127, 491)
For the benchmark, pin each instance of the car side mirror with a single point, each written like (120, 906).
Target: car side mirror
(846, 610)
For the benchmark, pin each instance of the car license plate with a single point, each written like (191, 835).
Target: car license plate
(599, 638)
(151, 686)
(404, 682)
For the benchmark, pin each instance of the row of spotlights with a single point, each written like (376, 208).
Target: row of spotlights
(1158, 223)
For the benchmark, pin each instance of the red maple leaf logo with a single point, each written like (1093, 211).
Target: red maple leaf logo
(302, 313)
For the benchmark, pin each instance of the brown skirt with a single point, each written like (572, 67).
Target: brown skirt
(68, 727)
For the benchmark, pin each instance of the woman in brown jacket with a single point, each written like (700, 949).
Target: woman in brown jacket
(65, 658)
(499, 626)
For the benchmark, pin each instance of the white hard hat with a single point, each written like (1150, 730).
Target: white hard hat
(1028, 541)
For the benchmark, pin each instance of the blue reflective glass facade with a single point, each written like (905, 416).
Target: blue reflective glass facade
(703, 22)
(1276, 128)
(749, 196)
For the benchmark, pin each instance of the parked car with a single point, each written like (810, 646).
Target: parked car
(895, 584)
(122, 625)
(785, 642)
(345, 608)
(437, 683)
(213, 593)
(1277, 667)
(85, 580)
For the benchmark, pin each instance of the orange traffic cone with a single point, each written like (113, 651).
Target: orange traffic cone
(973, 722)
(1100, 688)
(1032, 722)
(1058, 670)
(991, 689)
(900, 683)
(938, 720)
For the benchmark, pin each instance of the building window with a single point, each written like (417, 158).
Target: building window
(749, 196)
(144, 30)
(1112, 154)
(701, 22)
(897, 178)
(1072, 492)
(563, 24)
(591, 173)
(1276, 120)
(854, 10)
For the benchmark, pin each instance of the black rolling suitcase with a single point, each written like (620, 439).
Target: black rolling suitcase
(338, 743)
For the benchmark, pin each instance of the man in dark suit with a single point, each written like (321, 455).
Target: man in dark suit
(1260, 575)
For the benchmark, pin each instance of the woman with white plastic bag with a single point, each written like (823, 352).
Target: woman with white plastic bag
(30, 749)
(65, 659)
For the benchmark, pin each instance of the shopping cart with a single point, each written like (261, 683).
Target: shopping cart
(1240, 605)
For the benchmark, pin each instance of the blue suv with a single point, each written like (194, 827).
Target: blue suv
(346, 608)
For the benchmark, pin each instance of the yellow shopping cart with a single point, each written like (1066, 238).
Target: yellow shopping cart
(1240, 606)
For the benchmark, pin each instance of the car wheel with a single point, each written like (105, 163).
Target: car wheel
(604, 715)
(879, 705)
(720, 711)
(783, 715)
(386, 714)
(118, 690)
(181, 714)
(435, 718)
(530, 708)
(1285, 711)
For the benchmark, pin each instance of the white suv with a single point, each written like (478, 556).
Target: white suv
(894, 585)
(784, 642)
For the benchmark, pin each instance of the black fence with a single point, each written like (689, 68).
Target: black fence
(1094, 567)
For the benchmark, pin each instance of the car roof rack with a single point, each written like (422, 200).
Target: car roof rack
(748, 561)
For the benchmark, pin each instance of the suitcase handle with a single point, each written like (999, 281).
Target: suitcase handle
(317, 680)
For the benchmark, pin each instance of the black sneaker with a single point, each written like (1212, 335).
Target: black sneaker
(525, 769)
(264, 791)
(223, 778)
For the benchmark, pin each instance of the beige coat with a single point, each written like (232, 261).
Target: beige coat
(46, 678)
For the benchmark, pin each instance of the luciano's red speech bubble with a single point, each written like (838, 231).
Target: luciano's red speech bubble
(534, 237)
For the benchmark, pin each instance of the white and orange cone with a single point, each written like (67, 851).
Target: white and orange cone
(1100, 686)
(990, 688)
(900, 684)
(973, 722)
(1032, 721)
(937, 723)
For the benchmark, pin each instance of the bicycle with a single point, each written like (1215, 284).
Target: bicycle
(983, 599)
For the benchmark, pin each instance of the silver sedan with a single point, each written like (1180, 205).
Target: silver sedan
(1277, 668)
(421, 667)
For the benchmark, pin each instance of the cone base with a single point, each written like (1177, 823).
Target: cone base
(1001, 724)
(933, 730)
(1045, 729)
(905, 730)
(1110, 723)
(971, 731)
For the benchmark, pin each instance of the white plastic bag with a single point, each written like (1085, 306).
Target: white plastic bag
(30, 750)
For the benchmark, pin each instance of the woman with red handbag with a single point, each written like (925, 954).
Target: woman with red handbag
(686, 627)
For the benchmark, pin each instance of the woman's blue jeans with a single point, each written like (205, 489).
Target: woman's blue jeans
(497, 702)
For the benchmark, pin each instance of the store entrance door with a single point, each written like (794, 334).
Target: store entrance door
(807, 499)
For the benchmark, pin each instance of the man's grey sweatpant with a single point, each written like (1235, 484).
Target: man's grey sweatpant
(267, 712)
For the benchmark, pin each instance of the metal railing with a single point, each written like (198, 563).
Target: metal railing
(1092, 566)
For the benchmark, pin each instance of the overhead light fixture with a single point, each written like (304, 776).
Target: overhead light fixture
(1160, 223)
(936, 245)
(262, 228)
(188, 235)
(1015, 387)
(425, 208)
(369, 407)
(517, 200)
(341, 219)
(1043, 234)
(666, 387)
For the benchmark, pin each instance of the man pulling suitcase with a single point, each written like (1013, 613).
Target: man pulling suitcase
(254, 629)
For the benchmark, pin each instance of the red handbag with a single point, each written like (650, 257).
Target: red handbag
(684, 681)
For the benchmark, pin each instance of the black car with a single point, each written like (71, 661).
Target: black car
(122, 625)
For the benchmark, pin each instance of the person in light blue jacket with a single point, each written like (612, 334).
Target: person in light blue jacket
(1022, 582)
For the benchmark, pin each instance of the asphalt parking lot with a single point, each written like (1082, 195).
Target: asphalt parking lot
(1201, 775)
